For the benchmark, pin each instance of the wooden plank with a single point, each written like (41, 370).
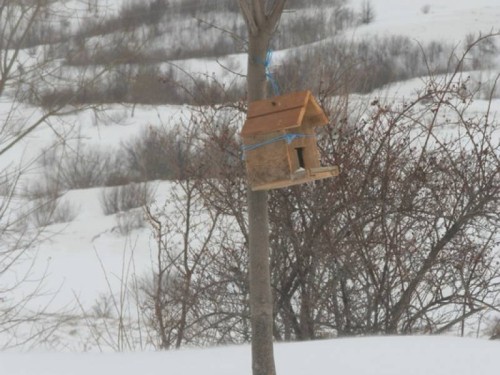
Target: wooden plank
(259, 138)
(314, 114)
(273, 122)
(319, 170)
(286, 183)
(269, 163)
(278, 104)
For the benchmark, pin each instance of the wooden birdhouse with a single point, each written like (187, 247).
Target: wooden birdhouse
(280, 143)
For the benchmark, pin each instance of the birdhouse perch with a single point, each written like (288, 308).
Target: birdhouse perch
(280, 142)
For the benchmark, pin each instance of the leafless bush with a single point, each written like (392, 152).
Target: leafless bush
(48, 211)
(300, 30)
(131, 16)
(493, 329)
(79, 168)
(7, 184)
(425, 9)
(365, 65)
(43, 188)
(124, 198)
(178, 311)
(483, 54)
(116, 320)
(367, 13)
(103, 306)
(130, 220)
(403, 241)
(119, 54)
(147, 85)
(156, 154)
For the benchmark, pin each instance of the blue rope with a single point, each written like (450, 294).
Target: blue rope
(287, 137)
(269, 75)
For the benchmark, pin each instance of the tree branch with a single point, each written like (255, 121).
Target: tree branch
(259, 13)
(276, 14)
(248, 17)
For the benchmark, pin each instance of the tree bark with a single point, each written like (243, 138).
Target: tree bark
(261, 303)
(260, 28)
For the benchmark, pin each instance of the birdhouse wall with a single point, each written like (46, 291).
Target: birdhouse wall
(307, 144)
(314, 115)
(269, 163)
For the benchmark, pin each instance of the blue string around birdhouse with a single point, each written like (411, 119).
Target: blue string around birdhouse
(287, 137)
(269, 75)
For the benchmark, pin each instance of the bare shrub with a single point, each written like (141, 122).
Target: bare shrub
(117, 54)
(425, 9)
(482, 54)
(131, 16)
(301, 30)
(364, 65)
(148, 84)
(81, 167)
(367, 13)
(48, 211)
(124, 198)
(43, 188)
(103, 306)
(156, 154)
(402, 241)
(493, 329)
(130, 220)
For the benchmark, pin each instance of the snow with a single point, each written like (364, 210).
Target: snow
(91, 246)
(361, 356)
(447, 20)
(74, 249)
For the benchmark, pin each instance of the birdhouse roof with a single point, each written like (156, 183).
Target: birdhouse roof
(283, 112)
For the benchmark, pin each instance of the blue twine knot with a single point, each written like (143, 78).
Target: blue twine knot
(269, 75)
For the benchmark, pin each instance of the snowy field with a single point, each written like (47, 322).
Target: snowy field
(365, 356)
(448, 20)
(80, 261)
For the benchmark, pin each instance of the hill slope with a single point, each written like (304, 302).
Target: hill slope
(387, 356)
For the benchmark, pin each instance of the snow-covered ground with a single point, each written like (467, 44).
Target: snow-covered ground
(74, 252)
(449, 20)
(77, 258)
(363, 356)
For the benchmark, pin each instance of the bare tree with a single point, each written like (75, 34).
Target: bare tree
(261, 25)
(402, 243)
(367, 14)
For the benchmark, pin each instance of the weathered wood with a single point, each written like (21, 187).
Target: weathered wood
(283, 112)
(278, 104)
(273, 122)
(315, 113)
(313, 177)
(333, 171)
(269, 163)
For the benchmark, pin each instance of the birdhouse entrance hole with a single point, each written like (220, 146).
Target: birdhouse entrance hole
(300, 155)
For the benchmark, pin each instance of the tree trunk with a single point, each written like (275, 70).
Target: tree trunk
(260, 26)
(261, 303)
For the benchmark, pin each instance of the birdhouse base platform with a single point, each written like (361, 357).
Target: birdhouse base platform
(300, 177)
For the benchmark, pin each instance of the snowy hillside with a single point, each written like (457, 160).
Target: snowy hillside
(368, 356)
(81, 274)
(432, 20)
